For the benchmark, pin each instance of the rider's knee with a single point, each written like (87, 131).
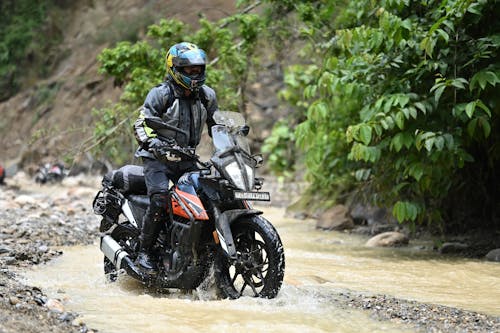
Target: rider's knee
(157, 207)
(159, 201)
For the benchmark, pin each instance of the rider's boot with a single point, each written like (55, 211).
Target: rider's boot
(146, 262)
(145, 257)
(151, 226)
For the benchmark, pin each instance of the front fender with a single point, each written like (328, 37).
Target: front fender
(223, 228)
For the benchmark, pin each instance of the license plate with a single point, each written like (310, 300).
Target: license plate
(258, 196)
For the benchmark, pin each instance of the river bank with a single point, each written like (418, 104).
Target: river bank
(36, 220)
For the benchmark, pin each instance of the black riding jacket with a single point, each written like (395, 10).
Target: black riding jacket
(189, 114)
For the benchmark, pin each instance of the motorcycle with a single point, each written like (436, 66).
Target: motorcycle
(210, 226)
(48, 173)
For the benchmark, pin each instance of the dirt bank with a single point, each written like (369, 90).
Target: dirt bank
(34, 220)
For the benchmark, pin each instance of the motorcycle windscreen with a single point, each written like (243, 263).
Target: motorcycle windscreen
(229, 118)
(224, 139)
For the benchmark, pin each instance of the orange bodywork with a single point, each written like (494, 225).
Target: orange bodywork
(192, 202)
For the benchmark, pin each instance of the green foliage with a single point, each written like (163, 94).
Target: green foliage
(112, 133)
(136, 64)
(30, 42)
(401, 99)
(279, 147)
(19, 21)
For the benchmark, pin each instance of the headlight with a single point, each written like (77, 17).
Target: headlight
(250, 176)
(236, 175)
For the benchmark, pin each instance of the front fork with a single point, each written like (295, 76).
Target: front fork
(223, 234)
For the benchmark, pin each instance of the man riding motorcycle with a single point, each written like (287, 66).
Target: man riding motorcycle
(185, 102)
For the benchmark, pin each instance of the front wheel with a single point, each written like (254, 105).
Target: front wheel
(260, 265)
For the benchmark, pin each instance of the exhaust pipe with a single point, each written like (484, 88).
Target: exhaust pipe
(120, 258)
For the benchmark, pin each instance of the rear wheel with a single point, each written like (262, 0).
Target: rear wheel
(260, 266)
(125, 236)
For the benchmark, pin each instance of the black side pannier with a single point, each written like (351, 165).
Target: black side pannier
(129, 179)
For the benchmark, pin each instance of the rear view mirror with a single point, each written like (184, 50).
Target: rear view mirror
(259, 161)
(244, 130)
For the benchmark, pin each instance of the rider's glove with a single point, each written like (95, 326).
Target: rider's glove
(172, 156)
(155, 144)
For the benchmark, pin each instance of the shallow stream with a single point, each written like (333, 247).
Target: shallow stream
(319, 265)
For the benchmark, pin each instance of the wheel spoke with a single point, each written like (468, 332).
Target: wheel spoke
(251, 284)
(243, 287)
(259, 274)
(233, 280)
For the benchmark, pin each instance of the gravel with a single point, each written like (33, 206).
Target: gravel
(34, 220)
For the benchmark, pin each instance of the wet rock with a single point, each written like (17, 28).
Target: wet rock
(5, 204)
(25, 200)
(54, 305)
(69, 317)
(43, 206)
(493, 255)
(43, 248)
(4, 249)
(388, 239)
(453, 248)
(374, 229)
(9, 231)
(13, 300)
(365, 214)
(40, 300)
(300, 215)
(9, 260)
(77, 322)
(335, 218)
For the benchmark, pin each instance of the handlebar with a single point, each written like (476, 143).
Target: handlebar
(185, 153)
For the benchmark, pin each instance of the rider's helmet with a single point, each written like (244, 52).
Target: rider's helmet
(182, 55)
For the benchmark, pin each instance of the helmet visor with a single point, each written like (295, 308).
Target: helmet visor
(190, 58)
(196, 72)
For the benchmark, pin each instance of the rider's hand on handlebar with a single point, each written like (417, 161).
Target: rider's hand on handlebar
(164, 150)
(172, 156)
(155, 144)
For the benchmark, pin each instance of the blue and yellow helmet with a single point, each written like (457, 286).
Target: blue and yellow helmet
(182, 55)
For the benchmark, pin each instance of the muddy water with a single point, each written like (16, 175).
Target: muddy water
(318, 265)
